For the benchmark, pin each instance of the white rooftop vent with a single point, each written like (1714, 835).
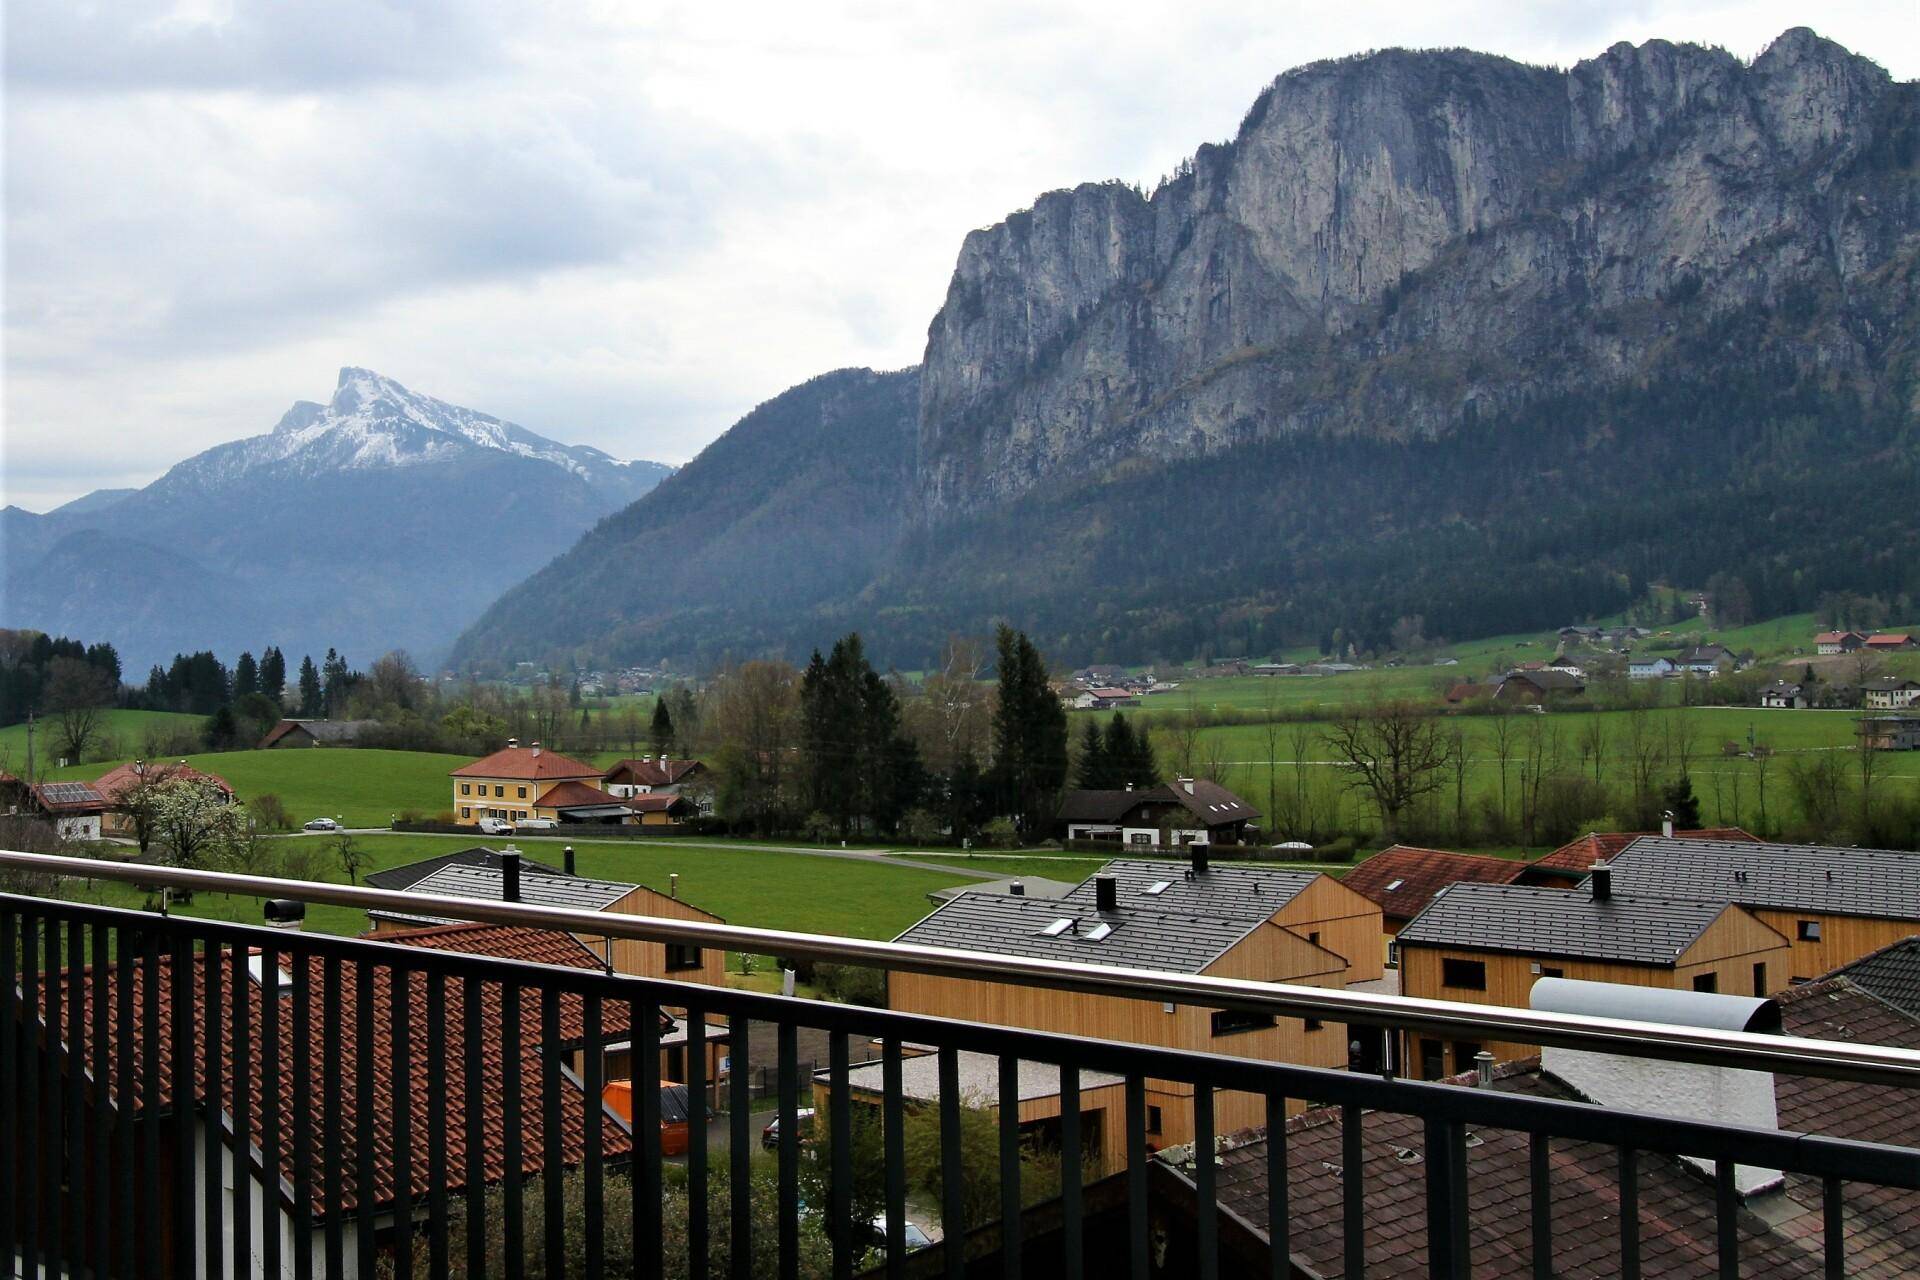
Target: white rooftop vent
(1392, 885)
(1157, 888)
(1098, 932)
(282, 980)
(1057, 927)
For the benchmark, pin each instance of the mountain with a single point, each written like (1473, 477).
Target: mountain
(382, 519)
(98, 500)
(1436, 334)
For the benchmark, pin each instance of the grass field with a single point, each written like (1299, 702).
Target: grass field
(762, 889)
(125, 728)
(361, 788)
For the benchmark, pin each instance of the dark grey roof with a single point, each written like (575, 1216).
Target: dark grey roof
(1632, 928)
(1098, 806)
(1226, 891)
(1210, 802)
(1006, 925)
(456, 881)
(412, 873)
(1891, 973)
(1784, 877)
(1035, 886)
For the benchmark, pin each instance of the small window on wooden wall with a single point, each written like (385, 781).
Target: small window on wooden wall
(1469, 975)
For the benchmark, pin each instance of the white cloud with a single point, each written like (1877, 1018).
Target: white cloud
(619, 224)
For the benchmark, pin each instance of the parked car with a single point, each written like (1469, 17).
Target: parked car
(770, 1136)
(322, 824)
(495, 827)
(536, 824)
(916, 1238)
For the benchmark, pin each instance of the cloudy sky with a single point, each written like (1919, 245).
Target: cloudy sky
(619, 224)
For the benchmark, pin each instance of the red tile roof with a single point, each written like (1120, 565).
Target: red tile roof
(114, 784)
(1577, 857)
(656, 803)
(650, 773)
(1404, 878)
(409, 1080)
(569, 794)
(531, 763)
(1889, 640)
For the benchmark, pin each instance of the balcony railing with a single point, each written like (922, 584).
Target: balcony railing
(377, 1160)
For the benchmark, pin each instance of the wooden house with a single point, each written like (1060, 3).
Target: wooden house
(1403, 879)
(1189, 812)
(1488, 944)
(1237, 921)
(1833, 905)
(316, 733)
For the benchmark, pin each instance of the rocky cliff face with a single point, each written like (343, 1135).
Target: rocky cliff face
(1399, 244)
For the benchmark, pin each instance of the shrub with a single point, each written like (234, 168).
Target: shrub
(853, 984)
(270, 812)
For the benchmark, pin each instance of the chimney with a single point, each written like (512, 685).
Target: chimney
(1187, 783)
(1199, 851)
(663, 762)
(1017, 888)
(1106, 893)
(1666, 824)
(512, 743)
(1601, 878)
(510, 874)
(1689, 1091)
(1129, 786)
(673, 884)
(536, 748)
(567, 855)
(284, 913)
(1483, 1069)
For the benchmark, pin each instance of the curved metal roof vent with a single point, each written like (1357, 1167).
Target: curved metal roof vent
(1657, 1004)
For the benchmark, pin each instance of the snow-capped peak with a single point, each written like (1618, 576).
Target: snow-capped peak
(372, 422)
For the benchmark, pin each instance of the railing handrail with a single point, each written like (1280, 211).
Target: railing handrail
(1876, 1064)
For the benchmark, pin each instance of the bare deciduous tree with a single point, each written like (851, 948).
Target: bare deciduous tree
(1394, 750)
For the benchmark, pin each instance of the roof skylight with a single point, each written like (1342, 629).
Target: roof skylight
(1057, 927)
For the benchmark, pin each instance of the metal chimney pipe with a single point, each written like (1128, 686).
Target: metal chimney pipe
(566, 856)
(1017, 888)
(1199, 849)
(510, 875)
(673, 884)
(1666, 824)
(1483, 1068)
(1602, 881)
(1106, 893)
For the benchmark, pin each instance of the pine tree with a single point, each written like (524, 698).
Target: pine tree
(1095, 772)
(1130, 755)
(1683, 804)
(246, 675)
(1029, 735)
(273, 673)
(662, 731)
(334, 681)
(310, 691)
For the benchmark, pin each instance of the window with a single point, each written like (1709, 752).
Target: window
(523, 793)
(681, 956)
(1314, 937)
(1760, 978)
(1231, 1022)
(1432, 1063)
(465, 812)
(1706, 982)
(1548, 971)
(499, 792)
(466, 788)
(1140, 837)
(1394, 885)
(1464, 1053)
(1057, 927)
(1469, 975)
(1314, 1024)
(1809, 931)
(1153, 1119)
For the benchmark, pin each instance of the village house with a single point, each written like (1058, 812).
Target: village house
(1830, 642)
(1779, 1234)
(1780, 694)
(519, 782)
(1889, 693)
(661, 776)
(234, 1153)
(1267, 924)
(1489, 943)
(1403, 879)
(1889, 733)
(121, 788)
(1706, 660)
(73, 809)
(1891, 642)
(316, 733)
(1569, 864)
(505, 877)
(1190, 811)
(1832, 904)
(1652, 667)
(1538, 687)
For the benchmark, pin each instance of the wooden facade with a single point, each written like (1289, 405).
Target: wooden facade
(1344, 921)
(1738, 953)
(1103, 1114)
(1841, 939)
(1269, 953)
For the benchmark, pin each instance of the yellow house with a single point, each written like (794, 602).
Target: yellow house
(1488, 944)
(1231, 921)
(511, 783)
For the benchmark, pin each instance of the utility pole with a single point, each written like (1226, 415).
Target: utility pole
(29, 748)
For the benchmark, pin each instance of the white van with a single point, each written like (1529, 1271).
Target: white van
(537, 824)
(496, 827)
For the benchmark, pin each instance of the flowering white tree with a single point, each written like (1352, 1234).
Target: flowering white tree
(195, 822)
